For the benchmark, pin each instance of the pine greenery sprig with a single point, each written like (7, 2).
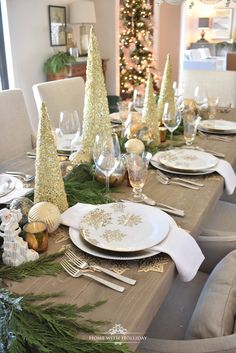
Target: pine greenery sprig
(47, 327)
(45, 265)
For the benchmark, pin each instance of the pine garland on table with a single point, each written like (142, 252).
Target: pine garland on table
(47, 327)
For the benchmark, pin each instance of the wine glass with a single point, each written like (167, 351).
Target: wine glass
(138, 101)
(212, 105)
(200, 97)
(137, 165)
(171, 118)
(69, 126)
(191, 122)
(106, 155)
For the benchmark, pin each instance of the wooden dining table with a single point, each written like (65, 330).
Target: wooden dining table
(135, 308)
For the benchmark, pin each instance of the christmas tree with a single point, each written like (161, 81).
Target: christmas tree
(150, 113)
(136, 40)
(96, 112)
(49, 184)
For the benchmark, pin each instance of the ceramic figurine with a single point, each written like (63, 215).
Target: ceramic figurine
(15, 249)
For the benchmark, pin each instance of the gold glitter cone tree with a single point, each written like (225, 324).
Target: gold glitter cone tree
(96, 112)
(150, 113)
(49, 184)
(166, 91)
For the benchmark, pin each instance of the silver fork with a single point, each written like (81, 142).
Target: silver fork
(195, 183)
(75, 272)
(165, 181)
(83, 265)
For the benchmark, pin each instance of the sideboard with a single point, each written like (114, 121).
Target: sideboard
(75, 70)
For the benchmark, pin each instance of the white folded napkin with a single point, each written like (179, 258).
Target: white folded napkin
(225, 169)
(15, 194)
(179, 245)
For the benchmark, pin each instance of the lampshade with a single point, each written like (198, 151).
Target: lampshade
(82, 11)
(203, 22)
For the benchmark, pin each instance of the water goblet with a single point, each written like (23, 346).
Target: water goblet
(123, 110)
(106, 155)
(171, 118)
(200, 97)
(69, 126)
(138, 101)
(191, 122)
(212, 105)
(137, 166)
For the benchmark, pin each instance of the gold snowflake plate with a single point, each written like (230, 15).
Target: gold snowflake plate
(187, 160)
(132, 227)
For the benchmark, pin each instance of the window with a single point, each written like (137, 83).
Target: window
(3, 65)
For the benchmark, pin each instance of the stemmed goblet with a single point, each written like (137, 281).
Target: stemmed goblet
(106, 155)
(171, 118)
(137, 165)
(69, 126)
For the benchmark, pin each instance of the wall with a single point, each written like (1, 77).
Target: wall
(107, 30)
(168, 36)
(201, 10)
(30, 45)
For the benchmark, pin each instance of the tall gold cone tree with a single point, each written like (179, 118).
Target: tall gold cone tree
(49, 184)
(96, 112)
(150, 113)
(166, 92)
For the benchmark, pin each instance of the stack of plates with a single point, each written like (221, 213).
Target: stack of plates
(223, 127)
(122, 231)
(185, 161)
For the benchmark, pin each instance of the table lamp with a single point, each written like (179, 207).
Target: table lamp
(203, 23)
(82, 12)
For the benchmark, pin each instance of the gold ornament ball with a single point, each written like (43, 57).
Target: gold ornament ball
(47, 213)
(79, 157)
(134, 146)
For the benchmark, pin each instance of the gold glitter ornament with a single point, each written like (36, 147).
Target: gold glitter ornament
(167, 94)
(49, 184)
(150, 113)
(134, 146)
(96, 112)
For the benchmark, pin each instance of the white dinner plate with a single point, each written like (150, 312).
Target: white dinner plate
(156, 163)
(7, 184)
(124, 227)
(83, 245)
(187, 160)
(222, 126)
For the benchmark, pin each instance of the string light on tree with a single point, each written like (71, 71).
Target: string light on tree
(136, 41)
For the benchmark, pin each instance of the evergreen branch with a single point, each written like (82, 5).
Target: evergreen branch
(43, 266)
(48, 328)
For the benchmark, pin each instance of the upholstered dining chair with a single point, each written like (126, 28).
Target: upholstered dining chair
(60, 95)
(197, 316)
(217, 83)
(16, 131)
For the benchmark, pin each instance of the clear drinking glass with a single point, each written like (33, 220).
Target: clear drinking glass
(212, 105)
(171, 118)
(190, 127)
(123, 108)
(69, 126)
(106, 155)
(138, 101)
(200, 97)
(137, 165)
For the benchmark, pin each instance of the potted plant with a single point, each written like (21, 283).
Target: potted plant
(55, 66)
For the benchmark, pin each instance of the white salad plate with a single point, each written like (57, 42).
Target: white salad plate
(83, 245)
(218, 126)
(187, 160)
(156, 163)
(124, 227)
